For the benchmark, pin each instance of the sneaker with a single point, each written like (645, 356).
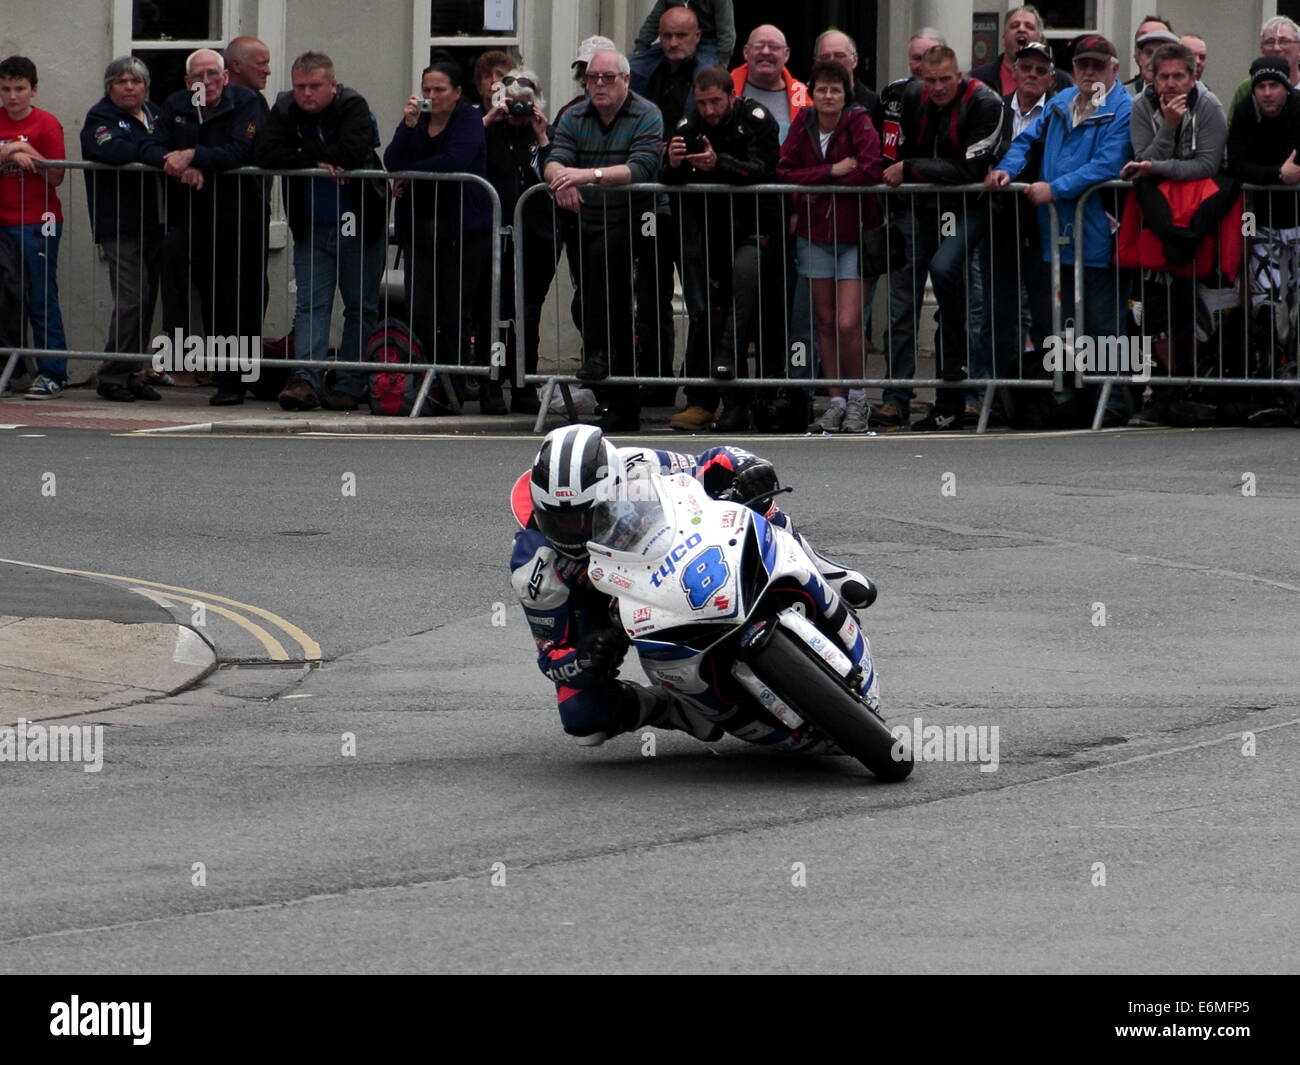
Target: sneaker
(114, 392)
(336, 400)
(889, 414)
(140, 390)
(938, 421)
(855, 416)
(692, 420)
(830, 421)
(298, 394)
(225, 399)
(43, 388)
(594, 368)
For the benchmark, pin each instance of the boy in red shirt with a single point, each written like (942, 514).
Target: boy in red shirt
(30, 212)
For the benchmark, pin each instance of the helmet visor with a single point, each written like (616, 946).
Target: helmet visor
(567, 530)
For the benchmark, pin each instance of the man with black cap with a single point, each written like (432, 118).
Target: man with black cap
(1263, 144)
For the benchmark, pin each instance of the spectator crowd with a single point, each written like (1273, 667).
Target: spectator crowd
(775, 285)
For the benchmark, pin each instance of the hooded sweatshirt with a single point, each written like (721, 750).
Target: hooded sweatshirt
(1189, 151)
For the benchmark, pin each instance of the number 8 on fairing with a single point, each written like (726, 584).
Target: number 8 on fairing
(704, 576)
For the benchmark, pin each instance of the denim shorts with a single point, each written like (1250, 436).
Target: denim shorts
(823, 259)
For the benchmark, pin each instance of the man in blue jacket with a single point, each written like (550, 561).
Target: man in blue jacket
(1081, 138)
(124, 216)
(216, 225)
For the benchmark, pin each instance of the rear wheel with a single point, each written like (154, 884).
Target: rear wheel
(820, 696)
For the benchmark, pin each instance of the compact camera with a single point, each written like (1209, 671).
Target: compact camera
(426, 105)
(519, 108)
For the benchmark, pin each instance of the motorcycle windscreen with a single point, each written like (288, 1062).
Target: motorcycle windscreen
(637, 527)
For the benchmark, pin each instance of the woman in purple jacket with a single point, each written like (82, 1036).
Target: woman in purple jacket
(834, 143)
(444, 228)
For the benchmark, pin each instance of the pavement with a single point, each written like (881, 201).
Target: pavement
(187, 409)
(71, 645)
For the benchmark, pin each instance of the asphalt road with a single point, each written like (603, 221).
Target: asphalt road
(1120, 745)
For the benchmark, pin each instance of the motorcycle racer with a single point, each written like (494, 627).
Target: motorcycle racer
(580, 647)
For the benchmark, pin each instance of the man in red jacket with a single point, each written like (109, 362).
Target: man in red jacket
(952, 128)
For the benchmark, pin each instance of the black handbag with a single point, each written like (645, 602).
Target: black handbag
(884, 249)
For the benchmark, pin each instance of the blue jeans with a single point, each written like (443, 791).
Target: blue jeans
(321, 261)
(41, 267)
(945, 260)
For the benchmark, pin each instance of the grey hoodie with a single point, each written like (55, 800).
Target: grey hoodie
(1187, 152)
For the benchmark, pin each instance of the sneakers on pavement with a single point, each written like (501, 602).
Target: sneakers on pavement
(115, 392)
(938, 421)
(43, 388)
(855, 416)
(691, 420)
(830, 421)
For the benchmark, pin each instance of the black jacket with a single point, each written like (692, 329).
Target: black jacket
(1257, 147)
(748, 144)
(956, 144)
(991, 75)
(887, 116)
(223, 141)
(672, 91)
(512, 167)
(345, 135)
(125, 203)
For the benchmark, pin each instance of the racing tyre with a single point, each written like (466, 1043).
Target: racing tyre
(820, 696)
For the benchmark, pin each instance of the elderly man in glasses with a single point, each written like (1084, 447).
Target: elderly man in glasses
(613, 138)
(1280, 37)
(1082, 138)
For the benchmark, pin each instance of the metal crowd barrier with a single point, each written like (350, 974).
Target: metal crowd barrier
(1269, 278)
(369, 294)
(648, 276)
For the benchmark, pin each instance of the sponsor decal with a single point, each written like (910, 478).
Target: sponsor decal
(641, 613)
(729, 519)
(543, 645)
(595, 573)
(564, 493)
(251, 131)
(619, 582)
(722, 602)
(669, 566)
(103, 135)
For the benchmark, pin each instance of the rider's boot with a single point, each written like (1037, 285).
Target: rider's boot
(656, 708)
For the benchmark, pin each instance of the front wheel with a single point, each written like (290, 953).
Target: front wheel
(818, 695)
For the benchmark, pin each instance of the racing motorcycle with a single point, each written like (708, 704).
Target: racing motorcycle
(726, 610)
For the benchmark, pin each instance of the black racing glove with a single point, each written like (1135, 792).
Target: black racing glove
(754, 478)
(601, 652)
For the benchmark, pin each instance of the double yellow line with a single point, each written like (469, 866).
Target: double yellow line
(274, 648)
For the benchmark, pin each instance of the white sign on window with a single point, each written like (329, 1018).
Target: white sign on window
(499, 15)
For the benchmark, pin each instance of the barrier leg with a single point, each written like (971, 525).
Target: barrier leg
(1100, 412)
(8, 371)
(985, 409)
(548, 390)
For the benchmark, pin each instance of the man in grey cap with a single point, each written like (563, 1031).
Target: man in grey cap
(1144, 48)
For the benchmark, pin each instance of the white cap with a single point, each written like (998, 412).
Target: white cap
(591, 46)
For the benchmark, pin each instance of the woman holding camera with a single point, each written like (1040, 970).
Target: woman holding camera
(443, 227)
(834, 143)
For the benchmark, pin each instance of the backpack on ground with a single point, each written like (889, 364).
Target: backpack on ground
(393, 392)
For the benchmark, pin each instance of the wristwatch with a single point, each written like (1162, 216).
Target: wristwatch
(598, 174)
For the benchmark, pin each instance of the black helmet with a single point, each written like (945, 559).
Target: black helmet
(575, 469)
